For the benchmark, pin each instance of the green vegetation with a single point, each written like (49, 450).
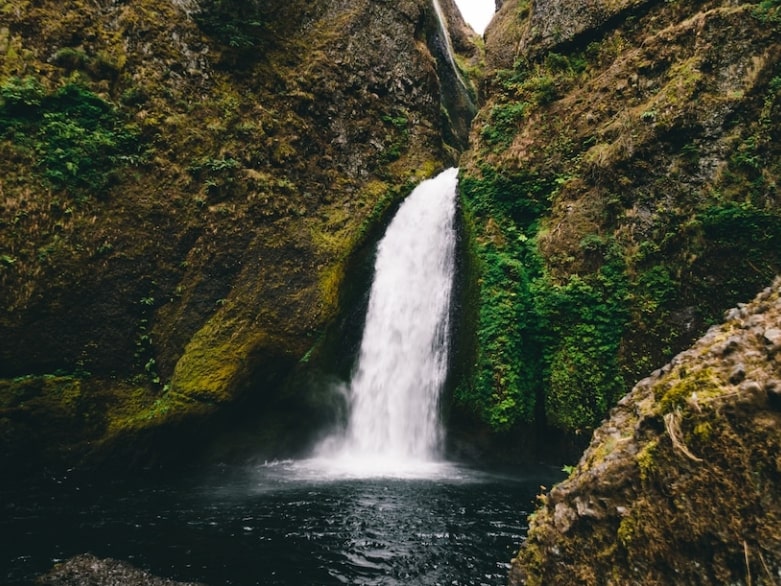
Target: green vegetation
(561, 341)
(504, 386)
(740, 224)
(233, 23)
(527, 87)
(769, 11)
(584, 321)
(503, 123)
(218, 176)
(397, 138)
(78, 139)
(701, 384)
(646, 460)
(536, 337)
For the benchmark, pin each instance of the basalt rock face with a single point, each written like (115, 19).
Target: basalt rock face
(621, 189)
(183, 186)
(680, 485)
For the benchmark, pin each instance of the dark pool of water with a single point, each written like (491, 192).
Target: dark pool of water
(283, 523)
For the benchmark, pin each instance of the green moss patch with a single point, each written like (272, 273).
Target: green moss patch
(76, 138)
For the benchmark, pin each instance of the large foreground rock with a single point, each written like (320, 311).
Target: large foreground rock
(681, 484)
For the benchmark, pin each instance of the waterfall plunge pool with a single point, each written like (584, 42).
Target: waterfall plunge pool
(378, 507)
(288, 522)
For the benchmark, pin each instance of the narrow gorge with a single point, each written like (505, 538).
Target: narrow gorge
(345, 282)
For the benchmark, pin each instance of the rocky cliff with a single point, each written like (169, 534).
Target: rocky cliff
(621, 193)
(680, 485)
(184, 185)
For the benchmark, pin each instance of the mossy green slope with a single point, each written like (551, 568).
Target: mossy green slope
(621, 191)
(183, 185)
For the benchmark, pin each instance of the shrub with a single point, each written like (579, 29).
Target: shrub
(733, 223)
(77, 137)
(21, 94)
(232, 23)
(536, 338)
(503, 123)
(584, 321)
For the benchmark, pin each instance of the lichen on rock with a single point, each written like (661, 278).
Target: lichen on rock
(679, 485)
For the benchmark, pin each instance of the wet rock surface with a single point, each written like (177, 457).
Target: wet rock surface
(89, 570)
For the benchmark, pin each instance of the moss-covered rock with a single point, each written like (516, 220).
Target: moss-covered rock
(680, 484)
(183, 186)
(621, 190)
(88, 570)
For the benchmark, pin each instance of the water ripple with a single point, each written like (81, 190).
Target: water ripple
(280, 524)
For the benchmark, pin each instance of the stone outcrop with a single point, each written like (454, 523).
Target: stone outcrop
(183, 187)
(527, 29)
(680, 484)
(89, 570)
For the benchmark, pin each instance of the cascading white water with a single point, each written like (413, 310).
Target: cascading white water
(403, 357)
(448, 43)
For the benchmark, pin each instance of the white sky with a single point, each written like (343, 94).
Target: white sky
(477, 13)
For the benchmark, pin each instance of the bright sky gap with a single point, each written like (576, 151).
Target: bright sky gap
(477, 13)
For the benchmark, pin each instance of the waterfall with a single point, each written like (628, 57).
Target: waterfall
(402, 363)
(448, 44)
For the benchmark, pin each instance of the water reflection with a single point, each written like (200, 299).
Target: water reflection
(281, 523)
(430, 523)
